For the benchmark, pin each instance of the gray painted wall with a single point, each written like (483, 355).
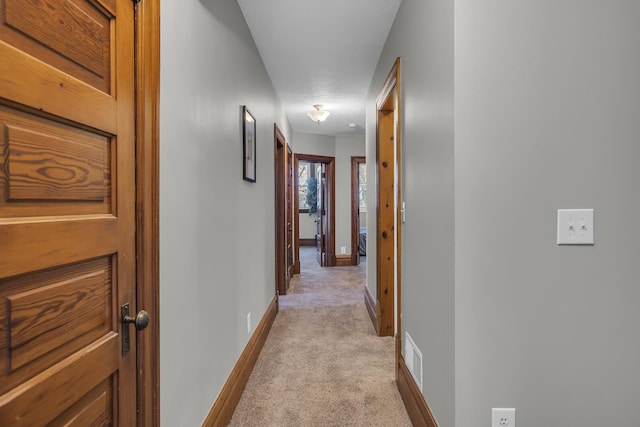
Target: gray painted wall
(547, 113)
(209, 228)
(311, 143)
(547, 101)
(422, 35)
(308, 227)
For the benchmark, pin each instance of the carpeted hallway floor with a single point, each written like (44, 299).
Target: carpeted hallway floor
(322, 364)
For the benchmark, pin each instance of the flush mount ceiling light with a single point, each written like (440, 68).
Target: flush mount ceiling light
(318, 115)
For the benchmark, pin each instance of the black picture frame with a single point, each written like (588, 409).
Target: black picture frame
(248, 145)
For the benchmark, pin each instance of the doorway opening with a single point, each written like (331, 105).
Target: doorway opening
(314, 207)
(358, 210)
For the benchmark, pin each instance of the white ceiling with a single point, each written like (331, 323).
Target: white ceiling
(321, 52)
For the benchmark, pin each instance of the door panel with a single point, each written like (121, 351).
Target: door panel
(74, 37)
(320, 212)
(67, 220)
(52, 168)
(281, 213)
(92, 410)
(289, 208)
(324, 219)
(55, 313)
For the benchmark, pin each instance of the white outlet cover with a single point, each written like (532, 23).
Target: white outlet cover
(503, 417)
(575, 227)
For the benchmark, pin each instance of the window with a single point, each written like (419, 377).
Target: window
(362, 186)
(304, 169)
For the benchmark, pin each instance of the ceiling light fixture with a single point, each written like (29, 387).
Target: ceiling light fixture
(318, 115)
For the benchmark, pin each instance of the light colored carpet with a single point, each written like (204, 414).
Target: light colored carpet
(322, 364)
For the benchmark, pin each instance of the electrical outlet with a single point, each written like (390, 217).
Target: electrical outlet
(343, 250)
(503, 417)
(249, 322)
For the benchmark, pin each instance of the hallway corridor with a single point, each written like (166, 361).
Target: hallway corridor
(322, 364)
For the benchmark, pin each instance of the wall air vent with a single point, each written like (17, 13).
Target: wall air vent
(413, 359)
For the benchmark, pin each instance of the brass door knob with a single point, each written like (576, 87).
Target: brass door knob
(141, 321)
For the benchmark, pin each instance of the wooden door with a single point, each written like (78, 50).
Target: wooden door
(281, 216)
(329, 210)
(290, 261)
(321, 215)
(67, 220)
(356, 181)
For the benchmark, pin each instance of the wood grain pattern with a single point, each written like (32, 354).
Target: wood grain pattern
(29, 286)
(73, 35)
(148, 207)
(46, 318)
(93, 413)
(62, 384)
(388, 196)
(42, 167)
(124, 148)
(50, 90)
(27, 190)
(61, 323)
(29, 246)
(80, 34)
(399, 113)
(4, 340)
(386, 245)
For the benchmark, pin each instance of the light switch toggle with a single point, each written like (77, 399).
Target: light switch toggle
(575, 227)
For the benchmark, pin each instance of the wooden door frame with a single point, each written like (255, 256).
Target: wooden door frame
(147, 80)
(289, 208)
(331, 211)
(388, 223)
(355, 208)
(280, 176)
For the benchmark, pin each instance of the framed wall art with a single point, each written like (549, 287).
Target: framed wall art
(248, 145)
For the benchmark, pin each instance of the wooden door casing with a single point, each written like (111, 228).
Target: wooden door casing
(67, 212)
(147, 70)
(321, 251)
(330, 208)
(388, 196)
(289, 207)
(356, 161)
(386, 225)
(280, 167)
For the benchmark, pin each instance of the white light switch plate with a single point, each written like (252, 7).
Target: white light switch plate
(575, 227)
